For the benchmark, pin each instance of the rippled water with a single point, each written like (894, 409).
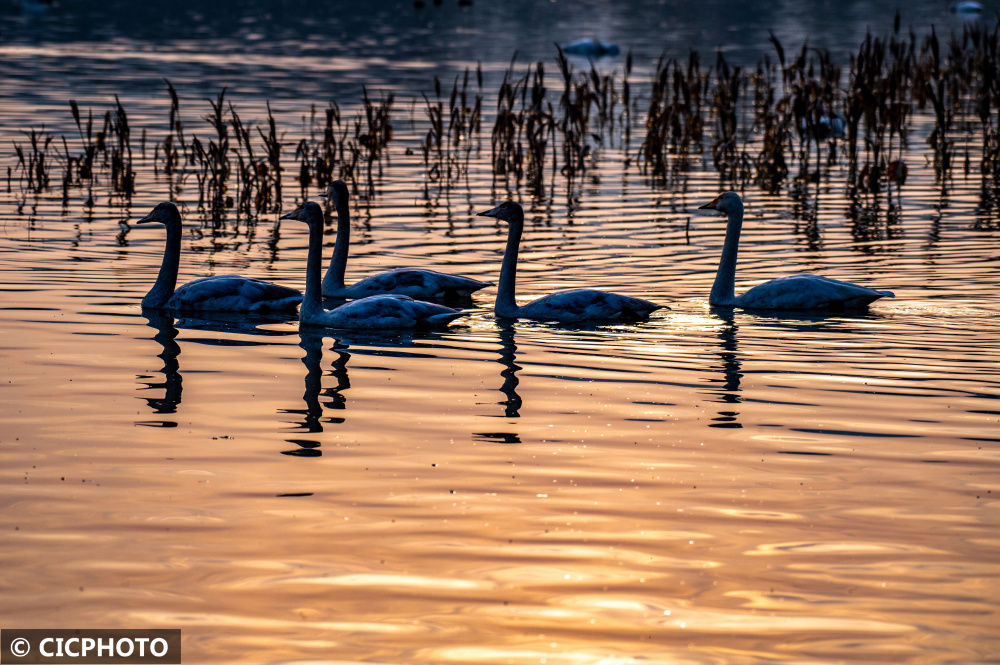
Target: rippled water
(699, 488)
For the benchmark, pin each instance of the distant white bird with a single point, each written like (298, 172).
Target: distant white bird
(573, 306)
(413, 282)
(967, 7)
(797, 292)
(383, 311)
(591, 47)
(219, 293)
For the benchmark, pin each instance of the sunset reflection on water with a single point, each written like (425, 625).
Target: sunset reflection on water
(708, 486)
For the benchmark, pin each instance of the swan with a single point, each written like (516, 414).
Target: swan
(796, 292)
(413, 282)
(591, 47)
(381, 311)
(967, 7)
(573, 306)
(218, 293)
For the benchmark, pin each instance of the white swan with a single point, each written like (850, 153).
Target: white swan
(591, 47)
(384, 311)
(796, 292)
(413, 282)
(219, 293)
(573, 306)
(967, 7)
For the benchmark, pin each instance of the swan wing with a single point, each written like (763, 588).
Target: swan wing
(388, 311)
(579, 305)
(809, 292)
(413, 282)
(233, 293)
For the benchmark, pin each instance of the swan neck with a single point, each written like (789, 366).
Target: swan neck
(312, 301)
(166, 280)
(506, 305)
(723, 291)
(334, 278)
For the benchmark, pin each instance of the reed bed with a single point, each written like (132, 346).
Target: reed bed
(795, 118)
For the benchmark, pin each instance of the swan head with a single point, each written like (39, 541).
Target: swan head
(309, 212)
(728, 203)
(164, 213)
(337, 193)
(508, 211)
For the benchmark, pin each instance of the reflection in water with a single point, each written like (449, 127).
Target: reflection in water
(805, 208)
(311, 341)
(508, 354)
(512, 401)
(986, 209)
(940, 208)
(171, 384)
(243, 323)
(864, 211)
(167, 330)
(730, 392)
(498, 437)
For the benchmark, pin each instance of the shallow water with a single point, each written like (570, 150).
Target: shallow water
(704, 487)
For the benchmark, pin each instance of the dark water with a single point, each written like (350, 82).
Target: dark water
(700, 488)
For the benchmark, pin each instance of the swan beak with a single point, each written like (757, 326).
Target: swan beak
(710, 206)
(146, 220)
(294, 214)
(489, 213)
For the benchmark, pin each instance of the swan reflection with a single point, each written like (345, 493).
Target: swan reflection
(318, 402)
(728, 353)
(311, 341)
(512, 401)
(168, 328)
(508, 354)
(166, 334)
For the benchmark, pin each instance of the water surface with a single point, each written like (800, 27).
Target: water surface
(705, 487)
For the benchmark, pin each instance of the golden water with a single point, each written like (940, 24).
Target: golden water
(700, 488)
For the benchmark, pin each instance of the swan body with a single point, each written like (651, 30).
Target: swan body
(572, 306)
(218, 293)
(233, 293)
(414, 282)
(581, 305)
(384, 311)
(796, 292)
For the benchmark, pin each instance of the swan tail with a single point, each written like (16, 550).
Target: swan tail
(649, 307)
(865, 300)
(639, 308)
(444, 318)
(455, 286)
(471, 287)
